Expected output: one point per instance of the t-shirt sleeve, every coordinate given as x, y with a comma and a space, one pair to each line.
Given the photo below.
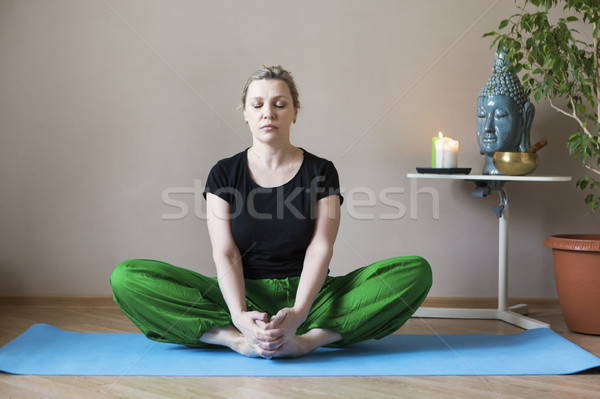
218, 183
328, 182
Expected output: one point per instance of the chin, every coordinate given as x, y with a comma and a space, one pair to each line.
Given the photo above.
488, 148
269, 138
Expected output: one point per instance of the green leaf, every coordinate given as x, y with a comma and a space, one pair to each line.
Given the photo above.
590, 200
583, 182
574, 143
494, 42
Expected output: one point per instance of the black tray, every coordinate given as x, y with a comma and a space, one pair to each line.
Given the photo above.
445, 171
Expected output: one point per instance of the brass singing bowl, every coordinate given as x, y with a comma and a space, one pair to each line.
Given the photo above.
516, 163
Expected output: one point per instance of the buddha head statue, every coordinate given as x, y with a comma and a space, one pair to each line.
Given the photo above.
504, 114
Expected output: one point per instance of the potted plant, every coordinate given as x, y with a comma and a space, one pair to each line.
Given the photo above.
560, 64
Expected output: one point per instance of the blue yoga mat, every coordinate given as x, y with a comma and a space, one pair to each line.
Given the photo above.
46, 350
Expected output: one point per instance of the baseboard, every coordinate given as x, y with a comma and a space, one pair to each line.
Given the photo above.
486, 303
53, 300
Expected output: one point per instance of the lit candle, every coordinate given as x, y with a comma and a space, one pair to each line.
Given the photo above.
433, 140
446, 153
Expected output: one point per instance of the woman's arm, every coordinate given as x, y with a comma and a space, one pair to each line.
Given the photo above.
318, 254
226, 254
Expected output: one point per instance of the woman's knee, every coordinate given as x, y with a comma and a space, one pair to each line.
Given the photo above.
412, 271
423, 271
118, 277
126, 274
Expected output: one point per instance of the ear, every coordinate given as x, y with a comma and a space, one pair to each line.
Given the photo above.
527, 120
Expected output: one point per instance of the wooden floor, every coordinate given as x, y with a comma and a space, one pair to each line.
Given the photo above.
99, 314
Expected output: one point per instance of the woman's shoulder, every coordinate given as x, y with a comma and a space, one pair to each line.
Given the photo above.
228, 168
231, 163
313, 161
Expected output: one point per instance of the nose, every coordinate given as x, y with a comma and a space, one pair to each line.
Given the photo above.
268, 111
489, 124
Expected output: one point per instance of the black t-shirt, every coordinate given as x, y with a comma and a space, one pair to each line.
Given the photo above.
272, 227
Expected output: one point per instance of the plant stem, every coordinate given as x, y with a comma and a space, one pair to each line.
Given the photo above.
573, 114
597, 75
592, 169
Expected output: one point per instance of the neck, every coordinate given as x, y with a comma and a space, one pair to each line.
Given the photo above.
272, 156
489, 168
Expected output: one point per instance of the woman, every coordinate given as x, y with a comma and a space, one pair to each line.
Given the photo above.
273, 213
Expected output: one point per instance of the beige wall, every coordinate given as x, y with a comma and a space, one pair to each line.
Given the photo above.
106, 105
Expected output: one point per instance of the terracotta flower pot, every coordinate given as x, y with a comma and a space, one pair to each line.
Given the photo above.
577, 276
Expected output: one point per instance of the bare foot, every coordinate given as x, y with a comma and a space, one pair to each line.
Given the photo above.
302, 345
299, 345
232, 338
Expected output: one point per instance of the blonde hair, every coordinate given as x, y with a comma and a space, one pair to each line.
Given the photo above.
273, 72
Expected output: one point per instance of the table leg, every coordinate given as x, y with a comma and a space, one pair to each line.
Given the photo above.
503, 251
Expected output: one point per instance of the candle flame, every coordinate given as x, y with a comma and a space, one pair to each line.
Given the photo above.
440, 134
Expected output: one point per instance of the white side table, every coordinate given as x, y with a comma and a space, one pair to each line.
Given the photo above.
484, 185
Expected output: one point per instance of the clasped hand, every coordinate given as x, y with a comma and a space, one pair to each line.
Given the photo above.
269, 337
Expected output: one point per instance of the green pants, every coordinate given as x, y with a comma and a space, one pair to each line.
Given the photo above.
171, 304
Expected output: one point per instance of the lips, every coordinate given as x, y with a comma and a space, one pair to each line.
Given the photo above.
489, 138
269, 127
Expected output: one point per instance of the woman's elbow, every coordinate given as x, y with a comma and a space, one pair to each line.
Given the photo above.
321, 250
